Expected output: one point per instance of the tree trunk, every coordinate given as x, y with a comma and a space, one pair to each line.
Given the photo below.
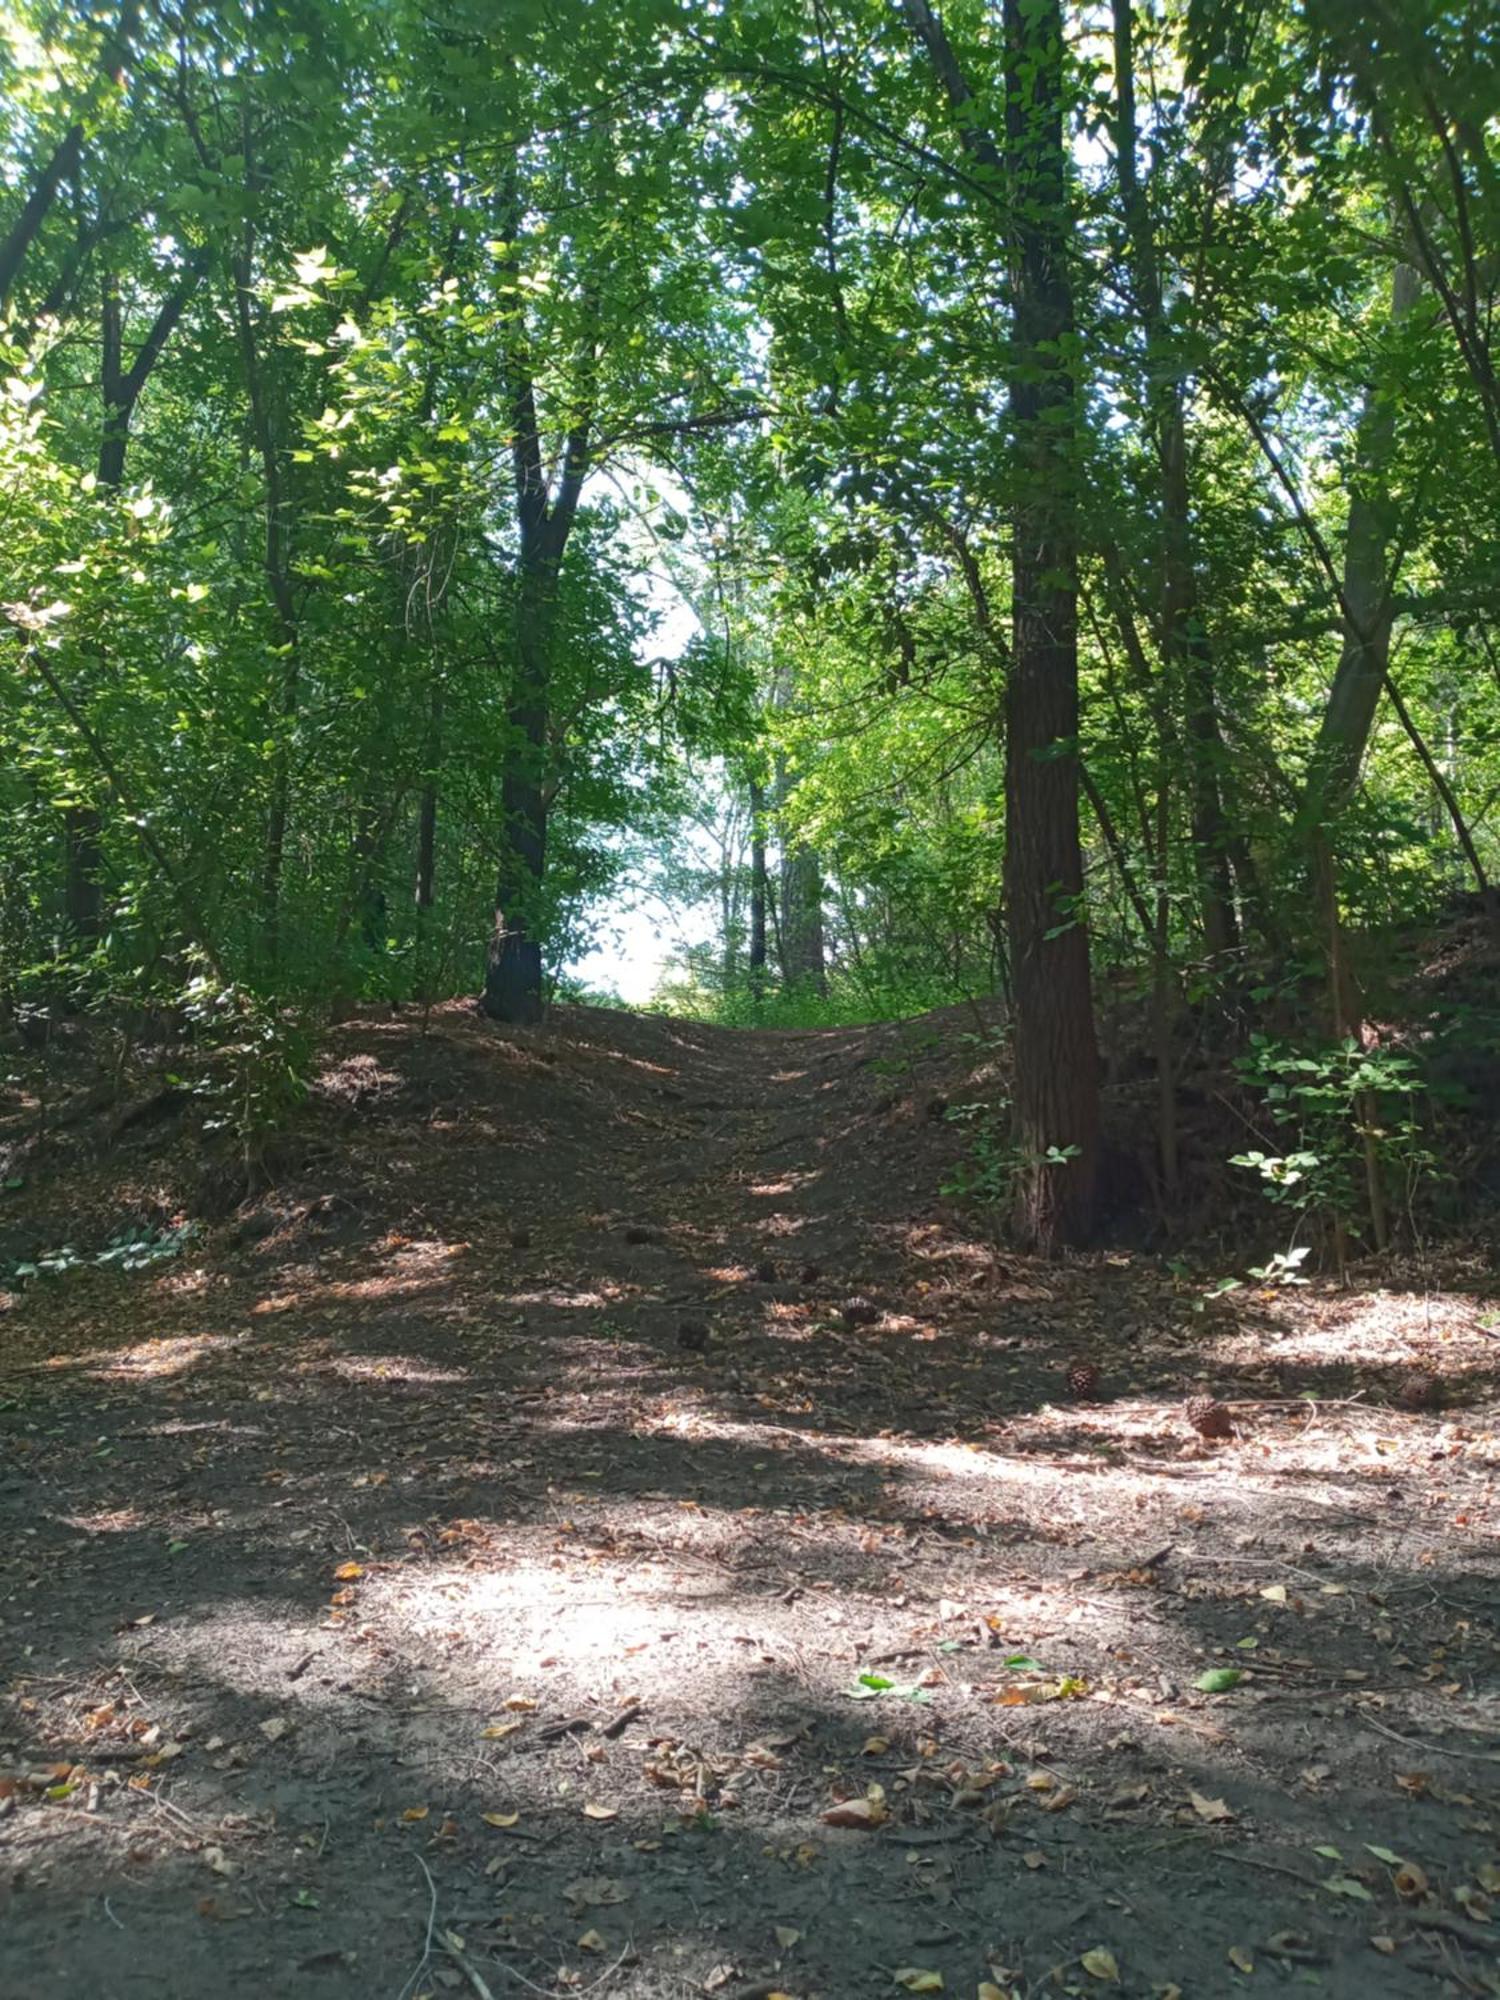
1184, 641
802, 943
757, 888
1056, 1054
513, 971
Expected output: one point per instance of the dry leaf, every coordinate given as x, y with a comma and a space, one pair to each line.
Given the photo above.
1410, 1881
915, 1980
498, 1731
274, 1728
416, 1812
591, 1941
1274, 1593
875, 1746
348, 1572
1385, 1945
1034, 1858
1100, 1964
520, 1702
786, 1937
1240, 1959
1210, 1809
592, 1811
864, 1814
500, 1819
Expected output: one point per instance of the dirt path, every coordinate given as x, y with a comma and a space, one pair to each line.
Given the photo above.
393, 1604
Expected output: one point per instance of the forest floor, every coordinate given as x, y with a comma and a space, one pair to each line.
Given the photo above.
393, 1606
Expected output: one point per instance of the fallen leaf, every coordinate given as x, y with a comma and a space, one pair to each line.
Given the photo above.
1345, 1885
1274, 1593
592, 1811
875, 1746
520, 1702
1210, 1809
1240, 1959
915, 1980
864, 1814
1100, 1964
1410, 1881
348, 1572
1383, 1854
498, 1731
786, 1937
1218, 1680
500, 1819
591, 1941
416, 1812
1385, 1945
274, 1728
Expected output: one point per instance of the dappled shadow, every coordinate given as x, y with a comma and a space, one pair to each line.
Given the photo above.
312, 1563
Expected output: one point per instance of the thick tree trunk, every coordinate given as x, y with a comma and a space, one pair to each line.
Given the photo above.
513, 970
1056, 1092
1056, 1054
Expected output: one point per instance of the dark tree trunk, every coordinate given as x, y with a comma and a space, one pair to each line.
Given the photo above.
1056, 1054
82, 890
757, 887
1184, 640
802, 945
513, 972
1056, 1100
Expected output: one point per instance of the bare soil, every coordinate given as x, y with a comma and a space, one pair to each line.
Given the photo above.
393, 1600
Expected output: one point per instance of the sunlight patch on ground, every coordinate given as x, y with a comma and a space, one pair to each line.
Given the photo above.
111, 1521
164, 1356
386, 1368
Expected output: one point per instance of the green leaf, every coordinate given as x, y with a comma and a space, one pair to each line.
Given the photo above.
1219, 1680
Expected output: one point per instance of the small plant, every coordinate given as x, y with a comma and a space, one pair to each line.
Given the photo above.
1349, 1113
133, 1250
995, 1163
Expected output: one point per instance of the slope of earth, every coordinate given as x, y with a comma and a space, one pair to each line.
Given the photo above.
495, 1563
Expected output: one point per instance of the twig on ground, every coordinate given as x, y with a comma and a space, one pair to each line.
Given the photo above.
426, 1958
1430, 1749
1473, 1935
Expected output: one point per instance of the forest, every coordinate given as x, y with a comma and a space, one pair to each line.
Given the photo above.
951, 553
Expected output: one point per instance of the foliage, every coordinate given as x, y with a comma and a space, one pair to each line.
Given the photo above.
447, 470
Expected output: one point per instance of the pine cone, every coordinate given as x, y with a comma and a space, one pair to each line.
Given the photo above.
1082, 1379
693, 1335
1208, 1417
1420, 1392
859, 1312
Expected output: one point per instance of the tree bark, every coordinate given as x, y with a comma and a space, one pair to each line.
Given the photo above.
1056, 1055
757, 888
1186, 652
513, 973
